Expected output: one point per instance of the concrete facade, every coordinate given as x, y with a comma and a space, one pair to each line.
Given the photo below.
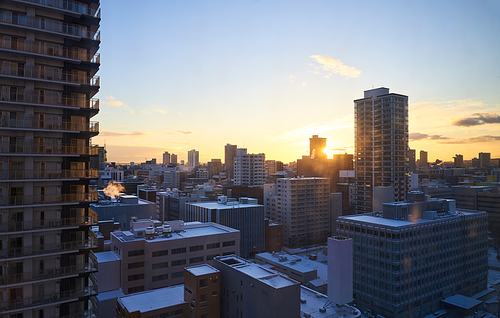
249, 168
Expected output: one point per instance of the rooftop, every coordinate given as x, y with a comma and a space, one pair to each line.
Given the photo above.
220, 206
203, 269
317, 305
109, 256
154, 299
379, 220
462, 301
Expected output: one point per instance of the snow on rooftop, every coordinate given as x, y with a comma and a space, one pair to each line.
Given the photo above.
203, 269
154, 299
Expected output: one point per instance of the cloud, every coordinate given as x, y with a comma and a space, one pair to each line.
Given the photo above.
292, 78
333, 66
304, 84
161, 111
418, 136
107, 133
447, 140
115, 103
131, 112
477, 119
110, 97
180, 132
179, 113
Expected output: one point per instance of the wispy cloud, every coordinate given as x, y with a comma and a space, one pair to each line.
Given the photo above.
180, 132
107, 133
115, 103
112, 101
110, 97
161, 111
179, 113
292, 78
447, 140
476, 119
304, 84
334, 66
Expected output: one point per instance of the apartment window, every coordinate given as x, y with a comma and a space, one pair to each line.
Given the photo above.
160, 265
135, 253
135, 265
203, 297
229, 253
213, 245
228, 243
196, 259
135, 277
196, 248
178, 262
160, 253
160, 277
203, 282
178, 250
214, 293
177, 274
209, 257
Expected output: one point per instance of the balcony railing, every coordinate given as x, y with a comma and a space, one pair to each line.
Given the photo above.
48, 199
31, 123
48, 174
49, 25
47, 224
26, 302
92, 10
29, 148
50, 74
31, 97
11, 252
42, 48
48, 273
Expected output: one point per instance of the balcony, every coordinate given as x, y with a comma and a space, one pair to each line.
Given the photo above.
39, 72
48, 174
41, 149
68, 5
32, 98
49, 273
30, 123
43, 49
25, 302
49, 25
48, 224
11, 252
48, 199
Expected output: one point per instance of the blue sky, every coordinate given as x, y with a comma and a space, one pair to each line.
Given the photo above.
266, 75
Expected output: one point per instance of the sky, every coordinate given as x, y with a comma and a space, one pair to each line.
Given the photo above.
267, 75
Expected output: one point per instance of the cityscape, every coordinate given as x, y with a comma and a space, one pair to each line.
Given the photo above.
249, 159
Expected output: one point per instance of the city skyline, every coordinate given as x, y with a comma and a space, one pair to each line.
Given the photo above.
268, 76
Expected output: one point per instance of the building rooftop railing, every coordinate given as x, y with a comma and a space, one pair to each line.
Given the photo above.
7, 227
69, 5
37, 174
37, 123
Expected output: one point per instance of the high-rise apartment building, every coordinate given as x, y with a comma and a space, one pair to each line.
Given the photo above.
317, 147
412, 159
166, 158
414, 254
249, 168
484, 159
458, 161
193, 158
229, 155
423, 159
381, 138
302, 205
48, 66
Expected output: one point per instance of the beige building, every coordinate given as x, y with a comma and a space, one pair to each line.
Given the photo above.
302, 205
154, 256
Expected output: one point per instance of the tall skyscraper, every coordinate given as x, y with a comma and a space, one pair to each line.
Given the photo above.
173, 159
317, 147
458, 161
193, 158
423, 160
229, 155
381, 139
484, 159
412, 159
47, 83
249, 168
166, 158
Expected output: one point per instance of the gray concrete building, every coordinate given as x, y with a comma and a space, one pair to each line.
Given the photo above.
414, 254
244, 215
